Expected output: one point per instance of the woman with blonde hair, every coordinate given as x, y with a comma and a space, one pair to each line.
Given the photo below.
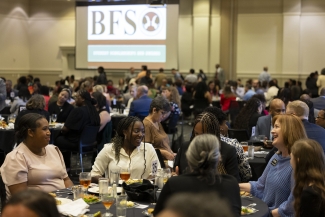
308, 163
274, 186
172, 95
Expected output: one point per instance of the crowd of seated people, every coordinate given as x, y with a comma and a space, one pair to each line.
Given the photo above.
209, 161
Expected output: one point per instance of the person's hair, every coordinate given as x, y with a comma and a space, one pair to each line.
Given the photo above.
178, 83
160, 103
118, 140
203, 157
218, 113
161, 70
322, 92
300, 108
245, 114
22, 80
210, 124
189, 88
272, 83
261, 97
309, 168
144, 67
37, 80
37, 101
44, 90
227, 91
323, 71
90, 102
100, 98
24, 93
200, 90
27, 121
248, 85
190, 205
192, 71
292, 129
38, 84
41, 203
31, 77
174, 95
100, 69
214, 90
310, 104
68, 91
98, 88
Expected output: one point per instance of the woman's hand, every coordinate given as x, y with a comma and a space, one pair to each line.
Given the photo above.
67, 182
275, 213
167, 155
245, 187
18, 187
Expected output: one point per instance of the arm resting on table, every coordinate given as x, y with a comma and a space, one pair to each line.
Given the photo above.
67, 182
18, 187
245, 187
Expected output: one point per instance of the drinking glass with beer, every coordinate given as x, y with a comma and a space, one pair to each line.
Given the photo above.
108, 200
85, 180
244, 145
125, 174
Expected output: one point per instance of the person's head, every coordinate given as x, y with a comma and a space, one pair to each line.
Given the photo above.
308, 163
37, 80
33, 127
132, 70
252, 106
190, 205
320, 119
130, 130
44, 90
64, 95
277, 107
161, 70
158, 108
217, 66
110, 83
203, 156
173, 71
287, 129
189, 88
265, 68
100, 69
144, 67
272, 83
31, 203
221, 117
8, 85
227, 90
211, 85
200, 89
256, 83
142, 91
30, 78
205, 123
37, 101
171, 93
36, 87
248, 87
83, 98
261, 97
100, 99
133, 91
98, 88
192, 71
323, 71
298, 108
305, 97
322, 92
24, 93
22, 80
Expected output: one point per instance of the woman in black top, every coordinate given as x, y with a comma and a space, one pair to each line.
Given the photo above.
202, 98
85, 114
308, 163
248, 115
61, 107
203, 157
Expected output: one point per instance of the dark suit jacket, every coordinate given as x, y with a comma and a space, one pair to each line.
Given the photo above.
315, 132
228, 154
226, 187
263, 126
140, 107
319, 102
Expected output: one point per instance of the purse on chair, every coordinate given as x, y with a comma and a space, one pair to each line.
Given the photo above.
144, 191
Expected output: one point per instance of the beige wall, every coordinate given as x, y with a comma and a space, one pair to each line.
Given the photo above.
38, 37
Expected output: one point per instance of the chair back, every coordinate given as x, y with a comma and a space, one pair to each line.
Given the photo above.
241, 135
160, 158
141, 117
3, 194
172, 123
88, 139
106, 136
216, 104
21, 108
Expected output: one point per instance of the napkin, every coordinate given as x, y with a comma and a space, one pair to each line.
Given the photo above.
75, 208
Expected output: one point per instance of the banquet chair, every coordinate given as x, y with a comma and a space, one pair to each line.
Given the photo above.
241, 135
88, 142
2, 193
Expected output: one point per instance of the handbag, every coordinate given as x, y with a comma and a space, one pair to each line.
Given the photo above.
144, 191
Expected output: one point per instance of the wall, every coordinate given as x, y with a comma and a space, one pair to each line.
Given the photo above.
241, 35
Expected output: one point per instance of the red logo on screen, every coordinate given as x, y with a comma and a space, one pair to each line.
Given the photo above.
151, 21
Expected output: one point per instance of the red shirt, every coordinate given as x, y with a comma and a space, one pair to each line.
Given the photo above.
225, 102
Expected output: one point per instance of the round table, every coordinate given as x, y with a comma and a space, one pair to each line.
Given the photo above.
263, 210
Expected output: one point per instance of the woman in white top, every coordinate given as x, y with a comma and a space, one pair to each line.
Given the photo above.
34, 163
127, 151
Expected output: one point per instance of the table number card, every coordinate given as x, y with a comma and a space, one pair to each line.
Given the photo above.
154, 167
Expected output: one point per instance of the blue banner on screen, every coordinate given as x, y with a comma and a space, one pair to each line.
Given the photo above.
126, 53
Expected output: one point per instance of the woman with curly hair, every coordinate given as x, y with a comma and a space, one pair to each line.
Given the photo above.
248, 115
308, 163
126, 151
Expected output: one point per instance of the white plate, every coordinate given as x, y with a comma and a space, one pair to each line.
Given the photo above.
63, 200
95, 190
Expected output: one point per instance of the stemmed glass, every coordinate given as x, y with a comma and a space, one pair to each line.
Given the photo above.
108, 200
54, 117
125, 174
85, 179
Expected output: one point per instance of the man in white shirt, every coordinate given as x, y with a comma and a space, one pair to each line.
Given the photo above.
264, 76
220, 75
191, 78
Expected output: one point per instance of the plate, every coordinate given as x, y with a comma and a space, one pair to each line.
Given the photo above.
95, 190
145, 213
245, 194
63, 200
247, 210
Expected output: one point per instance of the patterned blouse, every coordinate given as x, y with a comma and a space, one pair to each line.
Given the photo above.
245, 171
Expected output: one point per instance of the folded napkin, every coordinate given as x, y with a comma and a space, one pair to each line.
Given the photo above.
75, 208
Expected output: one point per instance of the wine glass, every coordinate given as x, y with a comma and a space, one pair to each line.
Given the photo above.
108, 200
54, 117
85, 179
125, 174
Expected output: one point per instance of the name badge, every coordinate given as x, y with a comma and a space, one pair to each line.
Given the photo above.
274, 162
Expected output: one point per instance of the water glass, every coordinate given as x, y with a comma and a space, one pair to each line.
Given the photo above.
121, 205
251, 151
114, 176
77, 192
54, 117
103, 185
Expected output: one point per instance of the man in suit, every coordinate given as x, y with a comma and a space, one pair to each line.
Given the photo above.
264, 123
319, 102
140, 107
301, 110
